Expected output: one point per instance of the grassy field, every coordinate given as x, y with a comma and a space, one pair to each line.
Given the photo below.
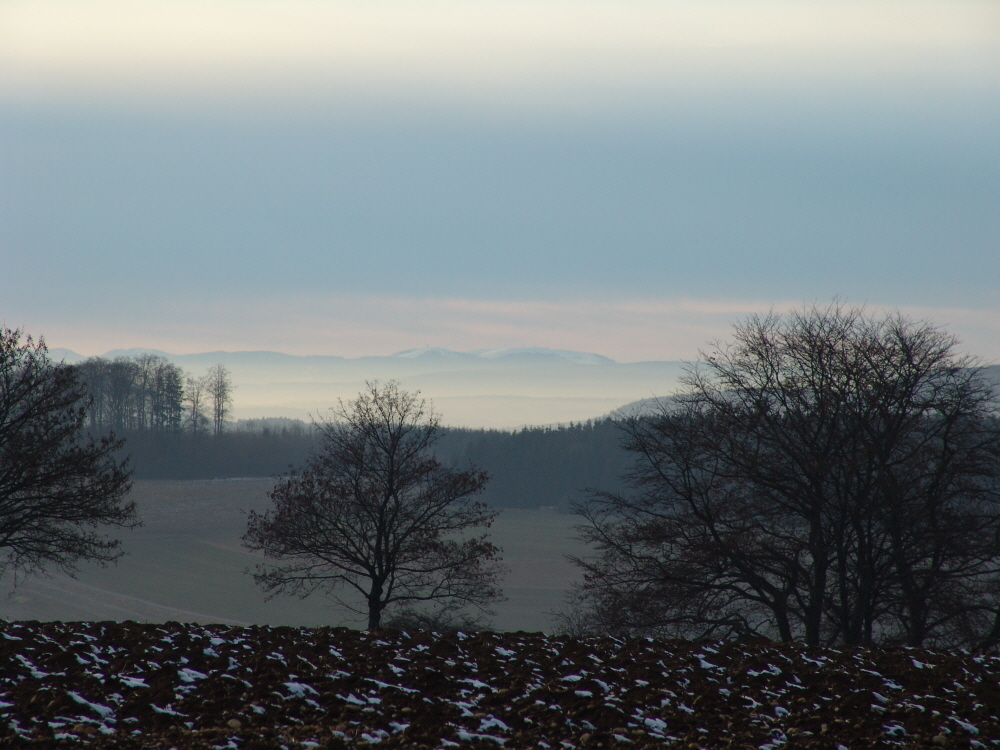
187, 564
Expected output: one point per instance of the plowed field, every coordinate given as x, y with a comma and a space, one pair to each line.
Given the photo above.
128, 685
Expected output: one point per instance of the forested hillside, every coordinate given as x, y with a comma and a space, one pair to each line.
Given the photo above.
528, 468
177, 427
541, 466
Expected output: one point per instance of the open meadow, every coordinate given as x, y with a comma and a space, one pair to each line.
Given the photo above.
187, 564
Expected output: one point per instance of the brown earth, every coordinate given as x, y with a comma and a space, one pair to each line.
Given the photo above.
129, 685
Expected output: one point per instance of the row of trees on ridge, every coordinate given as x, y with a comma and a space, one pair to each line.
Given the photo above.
147, 393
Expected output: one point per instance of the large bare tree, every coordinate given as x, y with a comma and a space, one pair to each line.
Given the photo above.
59, 489
830, 475
374, 513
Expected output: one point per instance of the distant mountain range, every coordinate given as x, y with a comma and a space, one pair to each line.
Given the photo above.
524, 354
430, 355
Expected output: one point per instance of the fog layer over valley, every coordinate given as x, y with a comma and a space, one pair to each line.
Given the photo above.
500, 388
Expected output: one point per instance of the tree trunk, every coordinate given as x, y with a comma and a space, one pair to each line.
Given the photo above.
375, 607
993, 637
817, 581
784, 626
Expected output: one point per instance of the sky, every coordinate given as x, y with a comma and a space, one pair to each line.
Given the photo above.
627, 178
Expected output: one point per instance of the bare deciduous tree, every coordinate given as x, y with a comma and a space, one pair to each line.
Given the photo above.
374, 512
829, 476
219, 386
57, 488
195, 396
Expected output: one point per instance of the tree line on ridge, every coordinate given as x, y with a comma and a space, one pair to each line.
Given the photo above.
148, 394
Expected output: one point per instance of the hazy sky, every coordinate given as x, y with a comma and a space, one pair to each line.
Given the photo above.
617, 177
